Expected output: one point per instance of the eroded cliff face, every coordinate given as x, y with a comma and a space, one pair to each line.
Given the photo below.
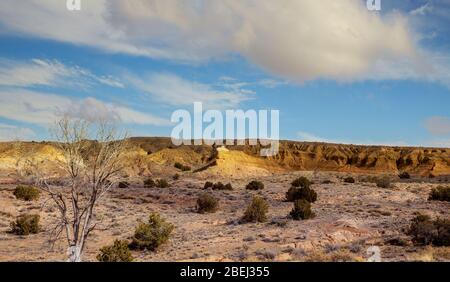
352, 158
146, 155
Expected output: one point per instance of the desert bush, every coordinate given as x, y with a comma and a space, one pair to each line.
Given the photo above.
117, 252
384, 182
182, 167
349, 179
162, 183
255, 185
176, 176
304, 193
26, 193
26, 224
301, 210
152, 234
149, 183
256, 211
440, 193
124, 184
425, 231
206, 203
220, 186
208, 184
404, 175
301, 182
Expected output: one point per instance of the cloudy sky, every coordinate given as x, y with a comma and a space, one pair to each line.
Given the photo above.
336, 71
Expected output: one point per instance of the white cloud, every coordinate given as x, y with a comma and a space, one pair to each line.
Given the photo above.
43, 109
310, 137
422, 10
11, 132
37, 72
174, 90
438, 125
296, 40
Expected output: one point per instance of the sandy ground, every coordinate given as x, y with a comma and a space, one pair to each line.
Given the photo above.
350, 218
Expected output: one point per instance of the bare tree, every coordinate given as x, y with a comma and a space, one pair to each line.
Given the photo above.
91, 163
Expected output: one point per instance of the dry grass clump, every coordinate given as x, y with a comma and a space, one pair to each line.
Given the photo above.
26, 224
117, 252
206, 203
27, 193
256, 211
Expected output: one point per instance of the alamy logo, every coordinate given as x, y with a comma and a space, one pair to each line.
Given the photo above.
235, 128
73, 5
373, 5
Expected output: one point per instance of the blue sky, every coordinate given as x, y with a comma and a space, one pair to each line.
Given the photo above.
336, 72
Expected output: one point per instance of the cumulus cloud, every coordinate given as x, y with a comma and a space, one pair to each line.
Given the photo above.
12, 132
296, 40
173, 90
37, 72
438, 125
43, 109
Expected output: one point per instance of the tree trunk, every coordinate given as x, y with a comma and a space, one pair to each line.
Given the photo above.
74, 252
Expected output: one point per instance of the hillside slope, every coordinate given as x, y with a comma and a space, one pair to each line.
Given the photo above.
146, 155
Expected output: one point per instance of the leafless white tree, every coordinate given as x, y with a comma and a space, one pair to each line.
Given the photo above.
91, 162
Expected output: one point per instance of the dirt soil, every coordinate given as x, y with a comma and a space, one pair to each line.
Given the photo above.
350, 218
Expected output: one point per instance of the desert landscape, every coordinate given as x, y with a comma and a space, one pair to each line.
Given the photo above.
367, 196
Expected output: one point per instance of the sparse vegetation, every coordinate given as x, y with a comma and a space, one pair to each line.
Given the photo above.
176, 176
349, 179
256, 211
404, 175
440, 193
220, 186
26, 224
152, 234
149, 183
255, 185
384, 182
117, 252
301, 182
301, 210
26, 193
162, 183
208, 184
182, 167
426, 231
206, 203
304, 193
124, 184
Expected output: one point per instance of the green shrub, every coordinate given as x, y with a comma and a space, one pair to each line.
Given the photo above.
124, 184
26, 193
149, 183
220, 186
152, 234
206, 203
349, 179
117, 252
301, 182
301, 210
26, 224
162, 183
440, 193
404, 175
255, 185
256, 211
426, 231
304, 193
176, 176
182, 167
208, 185
384, 182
